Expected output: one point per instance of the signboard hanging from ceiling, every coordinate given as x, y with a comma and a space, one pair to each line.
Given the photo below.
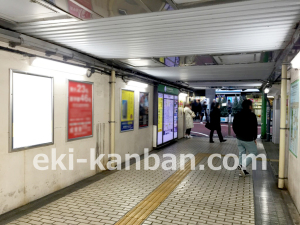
80, 110
79, 12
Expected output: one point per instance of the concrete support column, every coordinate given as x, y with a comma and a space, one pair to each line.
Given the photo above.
276, 120
282, 127
112, 113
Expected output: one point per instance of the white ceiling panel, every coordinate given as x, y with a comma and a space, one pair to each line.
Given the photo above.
256, 71
245, 26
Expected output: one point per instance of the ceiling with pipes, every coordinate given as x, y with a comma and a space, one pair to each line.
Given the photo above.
198, 43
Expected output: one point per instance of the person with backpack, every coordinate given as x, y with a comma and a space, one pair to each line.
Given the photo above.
245, 127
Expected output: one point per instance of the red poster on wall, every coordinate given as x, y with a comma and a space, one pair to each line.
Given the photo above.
80, 110
79, 12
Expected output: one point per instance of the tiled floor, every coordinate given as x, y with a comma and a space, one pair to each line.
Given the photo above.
202, 197
270, 208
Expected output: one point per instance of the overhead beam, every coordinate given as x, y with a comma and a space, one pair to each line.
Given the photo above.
172, 4
142, 4
226, 81
206, 3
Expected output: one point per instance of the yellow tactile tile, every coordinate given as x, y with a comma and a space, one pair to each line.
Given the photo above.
141, 211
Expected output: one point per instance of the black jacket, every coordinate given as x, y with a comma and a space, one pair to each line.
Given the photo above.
215, 119
245, 125
212, 106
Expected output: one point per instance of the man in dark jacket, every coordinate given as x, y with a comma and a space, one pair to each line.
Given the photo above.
213, 105
215, 123
199, 109
245, 127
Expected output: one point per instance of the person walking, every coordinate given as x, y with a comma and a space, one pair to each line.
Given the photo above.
204, 109
245, 127
199, 110
229, 106
194, 107
215, 123
213, 104
189, 124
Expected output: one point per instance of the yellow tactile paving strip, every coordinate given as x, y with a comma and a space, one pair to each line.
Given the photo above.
141, 211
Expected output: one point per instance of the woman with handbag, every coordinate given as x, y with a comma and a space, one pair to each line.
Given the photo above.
189, 124
215, 123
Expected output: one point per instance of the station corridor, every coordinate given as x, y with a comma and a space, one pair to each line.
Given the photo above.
167, 197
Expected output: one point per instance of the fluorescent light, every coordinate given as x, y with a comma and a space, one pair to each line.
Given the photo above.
270, 96
296, 61
53, 65
267, 90
251, 90
134, 59
182, 95
137, 84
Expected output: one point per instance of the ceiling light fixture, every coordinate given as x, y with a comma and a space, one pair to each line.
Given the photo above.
59, 66
296, 61
134, 59
137, 84
267, 90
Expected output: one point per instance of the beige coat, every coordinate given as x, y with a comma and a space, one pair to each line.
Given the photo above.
188, 118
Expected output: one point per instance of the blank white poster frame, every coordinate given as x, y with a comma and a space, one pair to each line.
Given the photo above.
33, 126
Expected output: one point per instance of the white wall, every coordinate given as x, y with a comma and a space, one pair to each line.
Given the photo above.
135, 141
293, 163
20, 182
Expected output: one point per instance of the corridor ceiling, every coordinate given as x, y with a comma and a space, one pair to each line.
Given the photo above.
238, 41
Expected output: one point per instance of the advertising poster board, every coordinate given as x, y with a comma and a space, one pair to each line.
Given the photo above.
294, 115
168, 118
175, 116
80, 110
160, 118
167, 121
144, 110
31, 111
127, 110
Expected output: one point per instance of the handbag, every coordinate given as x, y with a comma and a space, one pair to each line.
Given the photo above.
193, 115
208, 125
